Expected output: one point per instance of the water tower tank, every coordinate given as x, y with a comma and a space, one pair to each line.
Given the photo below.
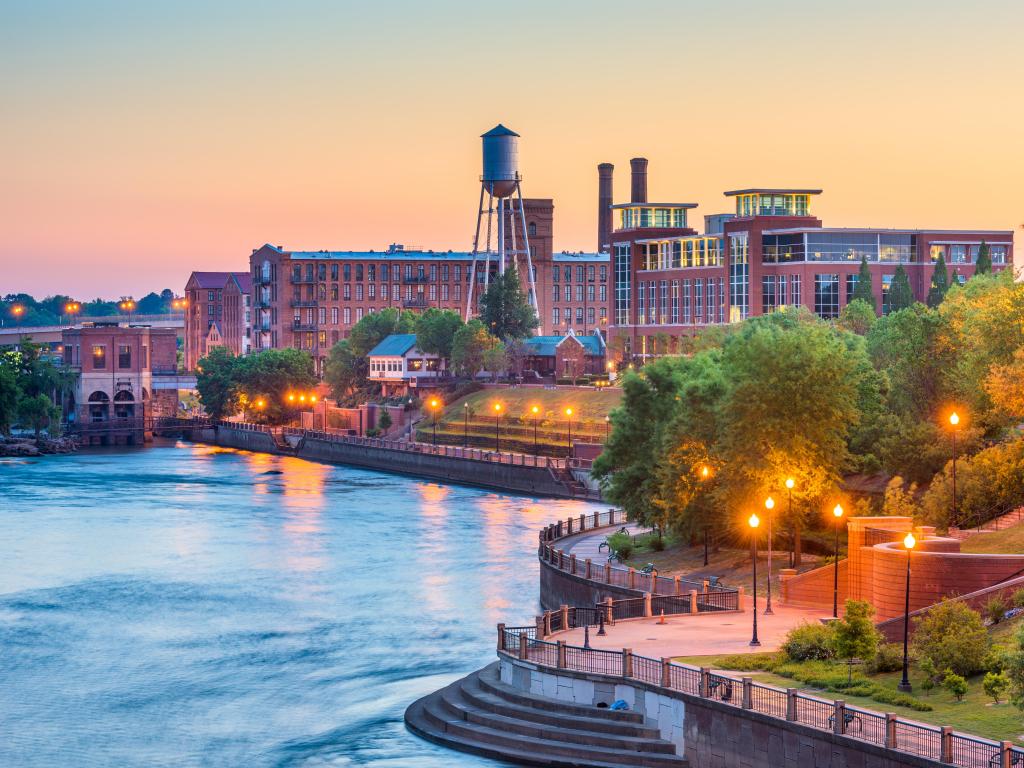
501, 161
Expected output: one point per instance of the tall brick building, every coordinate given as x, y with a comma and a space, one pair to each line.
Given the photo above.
217, 312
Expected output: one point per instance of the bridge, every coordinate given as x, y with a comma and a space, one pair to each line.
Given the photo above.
52, 334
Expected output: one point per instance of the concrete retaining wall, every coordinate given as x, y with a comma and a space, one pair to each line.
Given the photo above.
245, 440
558, 588
709, 733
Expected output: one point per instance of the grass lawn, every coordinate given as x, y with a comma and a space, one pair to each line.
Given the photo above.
1009, 541
589, 406
976, 714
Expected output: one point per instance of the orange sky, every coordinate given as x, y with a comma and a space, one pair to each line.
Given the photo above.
140, 143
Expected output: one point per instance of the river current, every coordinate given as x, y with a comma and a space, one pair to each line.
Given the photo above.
184, 605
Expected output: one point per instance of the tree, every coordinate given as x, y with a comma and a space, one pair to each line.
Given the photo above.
217, 383
495, 359
435, 332
952, 636
344, 372
373, 328
468, 346
900, 294
855, 634
1002, 385
384, 420
858, 316
995, 685
863, 290
272, 374
955, 684
983, 264
899, 501
150, 304
37, 412
940, 283
504, 309
10, 394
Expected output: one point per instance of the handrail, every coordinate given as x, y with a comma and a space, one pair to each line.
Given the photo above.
884, 730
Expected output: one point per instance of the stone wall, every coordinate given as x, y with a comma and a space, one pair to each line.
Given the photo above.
709, 733
245, 440
558, 588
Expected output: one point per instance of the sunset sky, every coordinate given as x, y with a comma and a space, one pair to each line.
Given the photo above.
142, 140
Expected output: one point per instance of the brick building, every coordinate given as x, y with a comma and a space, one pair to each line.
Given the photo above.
126, 375
217, 312
669, 280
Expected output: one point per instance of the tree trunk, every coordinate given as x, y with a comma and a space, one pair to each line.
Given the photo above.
797, 553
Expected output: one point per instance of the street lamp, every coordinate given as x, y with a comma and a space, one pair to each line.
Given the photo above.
607, 427
127, 306
72, 308
908, 543
705, 475
465, 425
17, 310
568, 414
838, 512
754, 521
434, 405
535, 410
789, 513
769, 504
954, 422
497, 438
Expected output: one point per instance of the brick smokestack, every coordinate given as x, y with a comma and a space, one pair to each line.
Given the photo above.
604, 206
638, 194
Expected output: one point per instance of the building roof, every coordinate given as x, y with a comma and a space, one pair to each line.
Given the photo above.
545, 346
381, 255
498, 130
885, 231
243, 280
771, 191
652, 205
395, 345
210, 280
573, 257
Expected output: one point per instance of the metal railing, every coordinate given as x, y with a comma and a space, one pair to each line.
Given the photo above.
884, 730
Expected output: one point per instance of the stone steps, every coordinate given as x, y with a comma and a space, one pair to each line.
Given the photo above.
482, 715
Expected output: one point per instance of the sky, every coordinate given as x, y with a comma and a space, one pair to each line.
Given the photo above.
141, 141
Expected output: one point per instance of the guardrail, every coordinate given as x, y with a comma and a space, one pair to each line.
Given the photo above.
885, 730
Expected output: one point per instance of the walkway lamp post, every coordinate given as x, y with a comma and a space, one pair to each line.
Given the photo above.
607, 427
908, 543
434, 405
705, 475
71, 309
954, 422
465, 425
769, 505
535, 410
838, 512
789, 510
497, 438
127, 306
754, 521
568, 414
17, 311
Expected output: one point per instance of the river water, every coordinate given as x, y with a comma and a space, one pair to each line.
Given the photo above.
183, 605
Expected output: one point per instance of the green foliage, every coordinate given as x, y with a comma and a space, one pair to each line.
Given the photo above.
621, 544
436, 329
888, 658
898, 500
983, 264
223, 379
384, 421
955, 684
505, 310
37, 412
900, 294
858, 316
469, 344
495, 359
1018, 598
217, 383
373, 328
940, 283
952, 636
344, 371
995, 609
889, 696
863, 290
995, 685
10, 393
854, 635
810, 642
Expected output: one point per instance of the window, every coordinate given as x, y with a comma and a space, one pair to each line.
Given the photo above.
321, 338
371, 290
321, 271
652, 309
590, 272
334, 315
769, 298
851, 286
739, 274
698, 301
674, 316
433, 292
359, 314
458, 291
590, 292
334, 292
531, 229
590, 315
568, 274
359, 291
782, 290
998, 254
579, 292
359, 273
433, 272
686, 302
579, 274
348, 315
124, 356
568, 293
322, 292
886, 286
322, 315
554, 315
826, 295
603, 272
99, 356
347, 292
555, 274
712, 300
347, 272
604, 314
384, 273
958, 254
794, 291
623, 283
641, 301
371, 272
567, 315
579, 314
458, 273
444, 292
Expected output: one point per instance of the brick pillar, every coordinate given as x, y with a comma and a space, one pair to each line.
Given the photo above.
707, 585
522, 646
501, 637
539, 621
946, 744
632, 579
694, 607
839, 717
572, 564
607, 572
739, 598
547, 623
586, 568
666, 673
596, 520
609, 616
583, 523
678, 585
561, 654
1006, 753
647, 604
569, 525
561, 560
890, 730
564, 609
627, 662
791, 704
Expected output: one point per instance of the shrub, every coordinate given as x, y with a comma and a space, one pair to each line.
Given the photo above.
995, 685
656, 542
952, 636
622, 543
1018, 598
810, 642
995, 609
384, 422
855, 636
888, 658
997, 660
752, 662
889, 696
955, 684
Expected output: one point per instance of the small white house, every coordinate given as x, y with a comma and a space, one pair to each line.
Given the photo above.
397, 364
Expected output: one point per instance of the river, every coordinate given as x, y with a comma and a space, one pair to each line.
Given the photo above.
184, 605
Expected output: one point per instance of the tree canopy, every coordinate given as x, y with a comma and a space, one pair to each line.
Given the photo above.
227, 383
505, 310
863, 290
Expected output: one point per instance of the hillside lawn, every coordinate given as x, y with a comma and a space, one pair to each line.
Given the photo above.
1009, 541
589, 405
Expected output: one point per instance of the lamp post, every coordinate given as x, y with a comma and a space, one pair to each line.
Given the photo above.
789, 510
127, 306
954, 422
434, 403
465, 425
754, 521
838, 512
705, 474
908, 543
71, 309
497, 438
535, 410
769, 504
568, 414
607, 427
17, 310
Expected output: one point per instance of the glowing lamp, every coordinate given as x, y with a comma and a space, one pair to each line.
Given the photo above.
838, 510
535, 410
568, 411
769, 503
909, 541
790, 483
954, 418
754, 521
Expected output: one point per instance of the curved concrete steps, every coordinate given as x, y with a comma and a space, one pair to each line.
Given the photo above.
482, 715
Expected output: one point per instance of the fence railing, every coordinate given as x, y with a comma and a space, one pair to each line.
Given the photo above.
884, 730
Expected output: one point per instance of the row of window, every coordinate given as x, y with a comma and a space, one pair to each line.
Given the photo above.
371, 290
780, 290
418, 272
640, 217
99, 356
590, 273
677, 254
763, 204
592, 292
566, 314
690, 302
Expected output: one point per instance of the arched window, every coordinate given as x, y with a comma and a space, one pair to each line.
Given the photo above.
99, 404
124, 405
531, 229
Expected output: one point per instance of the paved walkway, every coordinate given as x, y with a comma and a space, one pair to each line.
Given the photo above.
586, 546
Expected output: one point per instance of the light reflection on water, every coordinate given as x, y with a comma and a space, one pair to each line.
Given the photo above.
199, 606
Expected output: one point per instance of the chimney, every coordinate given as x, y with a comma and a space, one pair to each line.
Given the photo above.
604, 206
639, 191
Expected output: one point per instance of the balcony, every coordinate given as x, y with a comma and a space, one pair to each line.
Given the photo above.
418, 303
303, 279
263, 325
415, 280
302, 303
298, 325
261, 278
